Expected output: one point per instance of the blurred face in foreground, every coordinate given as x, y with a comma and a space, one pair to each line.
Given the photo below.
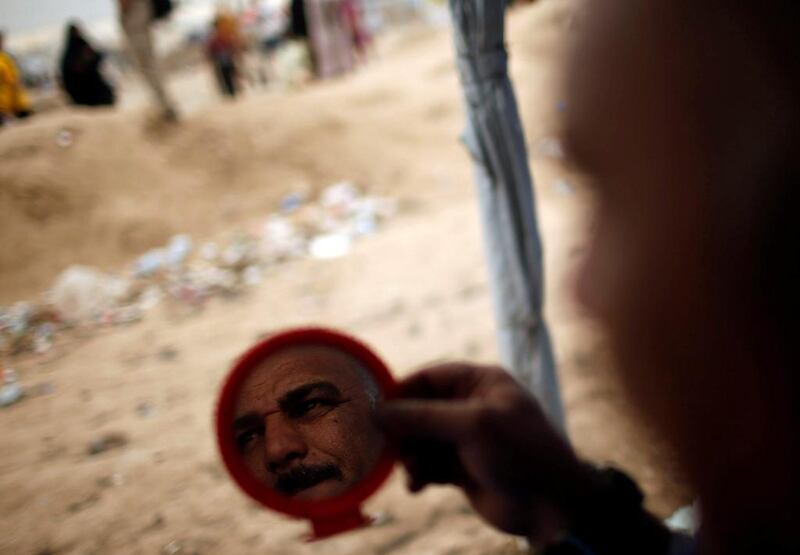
675, 115
303, 422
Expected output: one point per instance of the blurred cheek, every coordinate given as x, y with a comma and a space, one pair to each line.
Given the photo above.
598, 272
254, 461
325, 442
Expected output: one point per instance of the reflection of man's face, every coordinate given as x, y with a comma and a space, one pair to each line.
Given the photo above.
303, 423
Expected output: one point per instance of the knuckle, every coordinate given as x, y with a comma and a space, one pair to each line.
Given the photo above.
489, 418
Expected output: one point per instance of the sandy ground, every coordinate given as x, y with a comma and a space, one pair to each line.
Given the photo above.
417, 291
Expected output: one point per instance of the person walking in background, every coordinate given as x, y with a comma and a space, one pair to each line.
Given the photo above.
354, 24
80, 71
263, 28
224, 50
137, 18
14, 102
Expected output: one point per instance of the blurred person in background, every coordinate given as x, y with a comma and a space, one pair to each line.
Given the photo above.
354, 23
14, 101
224, 50
80, 71
264, 28
137, 18
685, 116
299, 30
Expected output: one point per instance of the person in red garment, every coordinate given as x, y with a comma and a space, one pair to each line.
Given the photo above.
224, 51
685, 117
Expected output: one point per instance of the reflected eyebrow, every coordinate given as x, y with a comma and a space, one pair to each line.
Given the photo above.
297, 395
249, 420
300, 393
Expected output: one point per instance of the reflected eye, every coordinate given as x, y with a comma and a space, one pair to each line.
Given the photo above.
246, 438
312, 408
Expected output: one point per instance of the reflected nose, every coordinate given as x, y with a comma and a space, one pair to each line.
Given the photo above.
283, 443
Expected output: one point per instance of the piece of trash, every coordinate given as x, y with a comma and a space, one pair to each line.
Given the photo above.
339, 195
168, 353
113, 440
172, 548
65, 138
252, 275
10, 390
123, 315
280, 239
292, 202
82, 293
149, 298
178, 249
150, 262
115, 480
78, 506
156, 523
329, 246
365, 222
145, 409
563, 187
209, 251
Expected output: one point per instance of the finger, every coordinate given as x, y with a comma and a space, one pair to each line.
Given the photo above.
451, 421
441, 381
548, 525
431, 463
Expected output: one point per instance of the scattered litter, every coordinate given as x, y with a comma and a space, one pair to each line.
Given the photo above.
322, 228
82, 293
113, 440
564, 187
10, 390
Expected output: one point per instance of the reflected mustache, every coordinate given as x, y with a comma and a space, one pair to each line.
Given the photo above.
303, 477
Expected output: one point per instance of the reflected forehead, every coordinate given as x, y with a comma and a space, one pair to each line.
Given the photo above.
295, 367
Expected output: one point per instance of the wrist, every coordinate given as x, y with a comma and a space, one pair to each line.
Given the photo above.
607, 515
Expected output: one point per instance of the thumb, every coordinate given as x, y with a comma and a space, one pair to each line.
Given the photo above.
449, 421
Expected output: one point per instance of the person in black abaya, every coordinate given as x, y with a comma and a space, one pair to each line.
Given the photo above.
80, 72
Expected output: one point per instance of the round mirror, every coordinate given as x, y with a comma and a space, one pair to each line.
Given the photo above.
296, 430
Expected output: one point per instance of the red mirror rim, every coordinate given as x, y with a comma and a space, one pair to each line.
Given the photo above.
315, 510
